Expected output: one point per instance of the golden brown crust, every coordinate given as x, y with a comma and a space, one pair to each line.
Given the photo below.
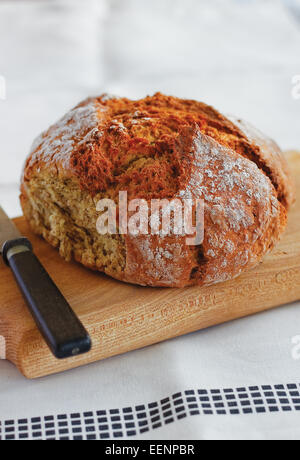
164, 147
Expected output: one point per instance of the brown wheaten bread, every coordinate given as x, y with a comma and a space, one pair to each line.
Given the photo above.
157, 147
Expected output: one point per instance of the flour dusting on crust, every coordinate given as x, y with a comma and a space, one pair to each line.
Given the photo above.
58, 143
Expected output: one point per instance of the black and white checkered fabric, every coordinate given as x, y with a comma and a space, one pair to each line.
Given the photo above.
134, 421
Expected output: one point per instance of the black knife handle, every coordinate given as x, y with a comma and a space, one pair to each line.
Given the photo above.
60, 327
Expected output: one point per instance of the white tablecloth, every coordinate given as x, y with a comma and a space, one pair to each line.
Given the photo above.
243, 360
239, 380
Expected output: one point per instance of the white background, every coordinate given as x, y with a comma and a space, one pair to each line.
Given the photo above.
239, 55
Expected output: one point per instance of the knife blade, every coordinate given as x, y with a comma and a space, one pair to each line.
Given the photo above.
8, 231
61, 328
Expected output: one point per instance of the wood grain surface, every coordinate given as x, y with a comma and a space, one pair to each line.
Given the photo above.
121, 317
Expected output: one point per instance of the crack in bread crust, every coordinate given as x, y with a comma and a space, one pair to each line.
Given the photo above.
66, 217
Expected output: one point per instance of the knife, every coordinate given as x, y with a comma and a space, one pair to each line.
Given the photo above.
58, 324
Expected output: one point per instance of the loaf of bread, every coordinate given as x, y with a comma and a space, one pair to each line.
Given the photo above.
154, 148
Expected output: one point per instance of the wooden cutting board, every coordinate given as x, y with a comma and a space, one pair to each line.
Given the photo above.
121, 317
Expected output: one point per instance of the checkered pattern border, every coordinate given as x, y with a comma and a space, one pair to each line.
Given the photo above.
135, 421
